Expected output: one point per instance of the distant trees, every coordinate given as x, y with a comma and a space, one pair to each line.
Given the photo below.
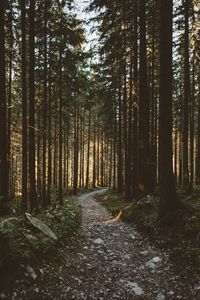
128, 119
45, 148
154, 98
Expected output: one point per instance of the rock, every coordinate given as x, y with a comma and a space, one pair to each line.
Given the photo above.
134, 287
31, 272
10, 223
197, 287
2, 296
127, 256
41, 226
150, 264
156, 259
171, 293
160, 297
98, 241
41, 271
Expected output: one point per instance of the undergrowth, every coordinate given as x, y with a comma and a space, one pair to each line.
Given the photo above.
14, 244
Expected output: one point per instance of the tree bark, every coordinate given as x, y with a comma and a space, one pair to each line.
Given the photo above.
186, 99
4, 164
144, 109
24, 108
168, 197
32, 190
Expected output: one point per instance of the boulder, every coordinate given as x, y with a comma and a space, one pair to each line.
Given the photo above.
41, 226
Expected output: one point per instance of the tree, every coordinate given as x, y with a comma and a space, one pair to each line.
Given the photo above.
186, 98
144, 106
4, 171
32, 178
168, 198
24, 107
44, 190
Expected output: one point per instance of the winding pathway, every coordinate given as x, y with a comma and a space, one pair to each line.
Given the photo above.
108, 259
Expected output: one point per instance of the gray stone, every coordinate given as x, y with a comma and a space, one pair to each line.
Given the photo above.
41, 226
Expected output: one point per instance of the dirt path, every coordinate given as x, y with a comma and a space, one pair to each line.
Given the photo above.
107, 260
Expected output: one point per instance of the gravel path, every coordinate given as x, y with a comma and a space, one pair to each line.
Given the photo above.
108, 259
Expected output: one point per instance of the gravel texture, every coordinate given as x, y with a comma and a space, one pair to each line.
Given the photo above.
106, 260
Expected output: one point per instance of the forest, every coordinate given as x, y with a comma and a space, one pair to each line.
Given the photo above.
100, 109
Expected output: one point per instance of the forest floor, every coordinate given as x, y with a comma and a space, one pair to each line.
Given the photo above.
107, 259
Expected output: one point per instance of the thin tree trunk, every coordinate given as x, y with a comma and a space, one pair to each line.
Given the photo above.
94, 160
144, 108
186, 99
120, 174
76, 131
32, 191
49, 180
60, 181
4, 164
44, 183
135, 103
24, 108
88, 152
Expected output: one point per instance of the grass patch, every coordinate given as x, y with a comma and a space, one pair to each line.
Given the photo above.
181, 238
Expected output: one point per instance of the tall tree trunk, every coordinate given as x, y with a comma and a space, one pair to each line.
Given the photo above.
32, 191
129, 190
88, 151
60, 180
76, 131
153, 104
192, 124
4, 164
135, 102
115, 150
168, 197
10, 90
38, 144
120, 172
80, 149
94, 160
68, 157
198, 138
65, 155
144, 108
44, 183
83, 150
24, 107
186, 99
102, 160
49, 180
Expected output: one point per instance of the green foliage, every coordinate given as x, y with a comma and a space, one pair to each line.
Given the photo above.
63, 220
